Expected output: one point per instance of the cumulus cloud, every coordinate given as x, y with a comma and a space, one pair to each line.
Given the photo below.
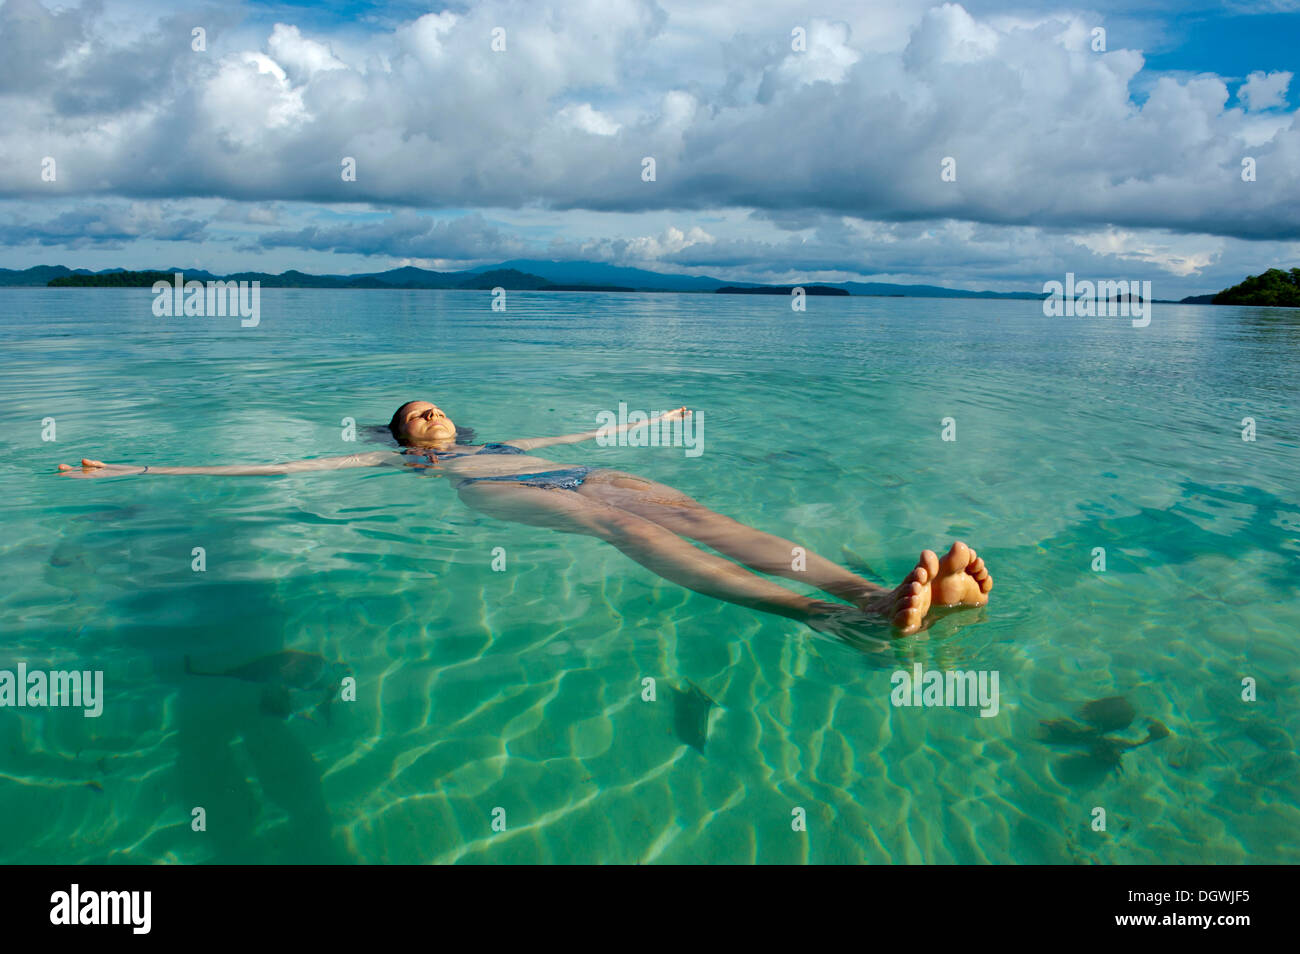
107, 225
299, 55
662, 247
1043, 129
825, 56
1264, 90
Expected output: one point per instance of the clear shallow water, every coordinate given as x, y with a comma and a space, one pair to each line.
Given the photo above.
522, 690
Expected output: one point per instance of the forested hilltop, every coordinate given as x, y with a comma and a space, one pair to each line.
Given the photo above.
1274, 287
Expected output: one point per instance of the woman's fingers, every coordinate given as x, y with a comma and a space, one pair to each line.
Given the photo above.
86, 465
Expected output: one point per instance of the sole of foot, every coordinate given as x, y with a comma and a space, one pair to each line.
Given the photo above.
958, 578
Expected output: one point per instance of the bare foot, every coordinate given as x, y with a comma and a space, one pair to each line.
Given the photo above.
959, 578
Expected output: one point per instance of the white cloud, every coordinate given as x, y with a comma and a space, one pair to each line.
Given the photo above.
1176, 255
826, 59
249, 95
301, 55
671, 241
588, 120
949, 34
1046, 133
426, 35
1264, 90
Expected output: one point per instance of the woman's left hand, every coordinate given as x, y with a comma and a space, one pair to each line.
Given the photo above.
97, 468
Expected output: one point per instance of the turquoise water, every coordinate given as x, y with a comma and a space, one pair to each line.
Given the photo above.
522, 690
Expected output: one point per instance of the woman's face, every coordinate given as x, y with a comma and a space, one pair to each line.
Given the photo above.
423, 423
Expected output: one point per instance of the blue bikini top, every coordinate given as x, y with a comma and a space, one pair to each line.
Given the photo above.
434, 456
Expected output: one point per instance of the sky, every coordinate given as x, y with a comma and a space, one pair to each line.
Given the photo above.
984, 145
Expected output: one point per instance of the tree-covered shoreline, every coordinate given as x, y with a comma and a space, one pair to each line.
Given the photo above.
112, 280
1275, 287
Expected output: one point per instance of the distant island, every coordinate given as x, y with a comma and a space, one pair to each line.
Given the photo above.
781, 290
1275, 287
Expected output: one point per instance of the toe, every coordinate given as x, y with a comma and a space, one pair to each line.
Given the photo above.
956, 559
928, 560
907, 611
907, 619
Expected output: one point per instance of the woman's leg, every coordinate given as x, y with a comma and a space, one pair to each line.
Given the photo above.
765, 552
959, 577
658, 549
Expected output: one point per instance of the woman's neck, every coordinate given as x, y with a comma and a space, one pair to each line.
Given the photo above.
437, 447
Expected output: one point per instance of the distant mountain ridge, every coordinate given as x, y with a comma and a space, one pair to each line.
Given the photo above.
401, 278
601, 273
514, 275
1275, 286
38, 274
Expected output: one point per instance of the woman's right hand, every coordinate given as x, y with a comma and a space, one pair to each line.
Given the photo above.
97, 468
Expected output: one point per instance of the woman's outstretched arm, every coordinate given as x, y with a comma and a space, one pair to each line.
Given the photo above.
96, 468
532, 443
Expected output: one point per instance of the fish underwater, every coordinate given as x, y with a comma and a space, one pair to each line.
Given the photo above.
283, 673
1104, 752
691, 710
1109, 715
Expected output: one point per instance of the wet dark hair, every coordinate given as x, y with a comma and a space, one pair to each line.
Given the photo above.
464, 435
396, 421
